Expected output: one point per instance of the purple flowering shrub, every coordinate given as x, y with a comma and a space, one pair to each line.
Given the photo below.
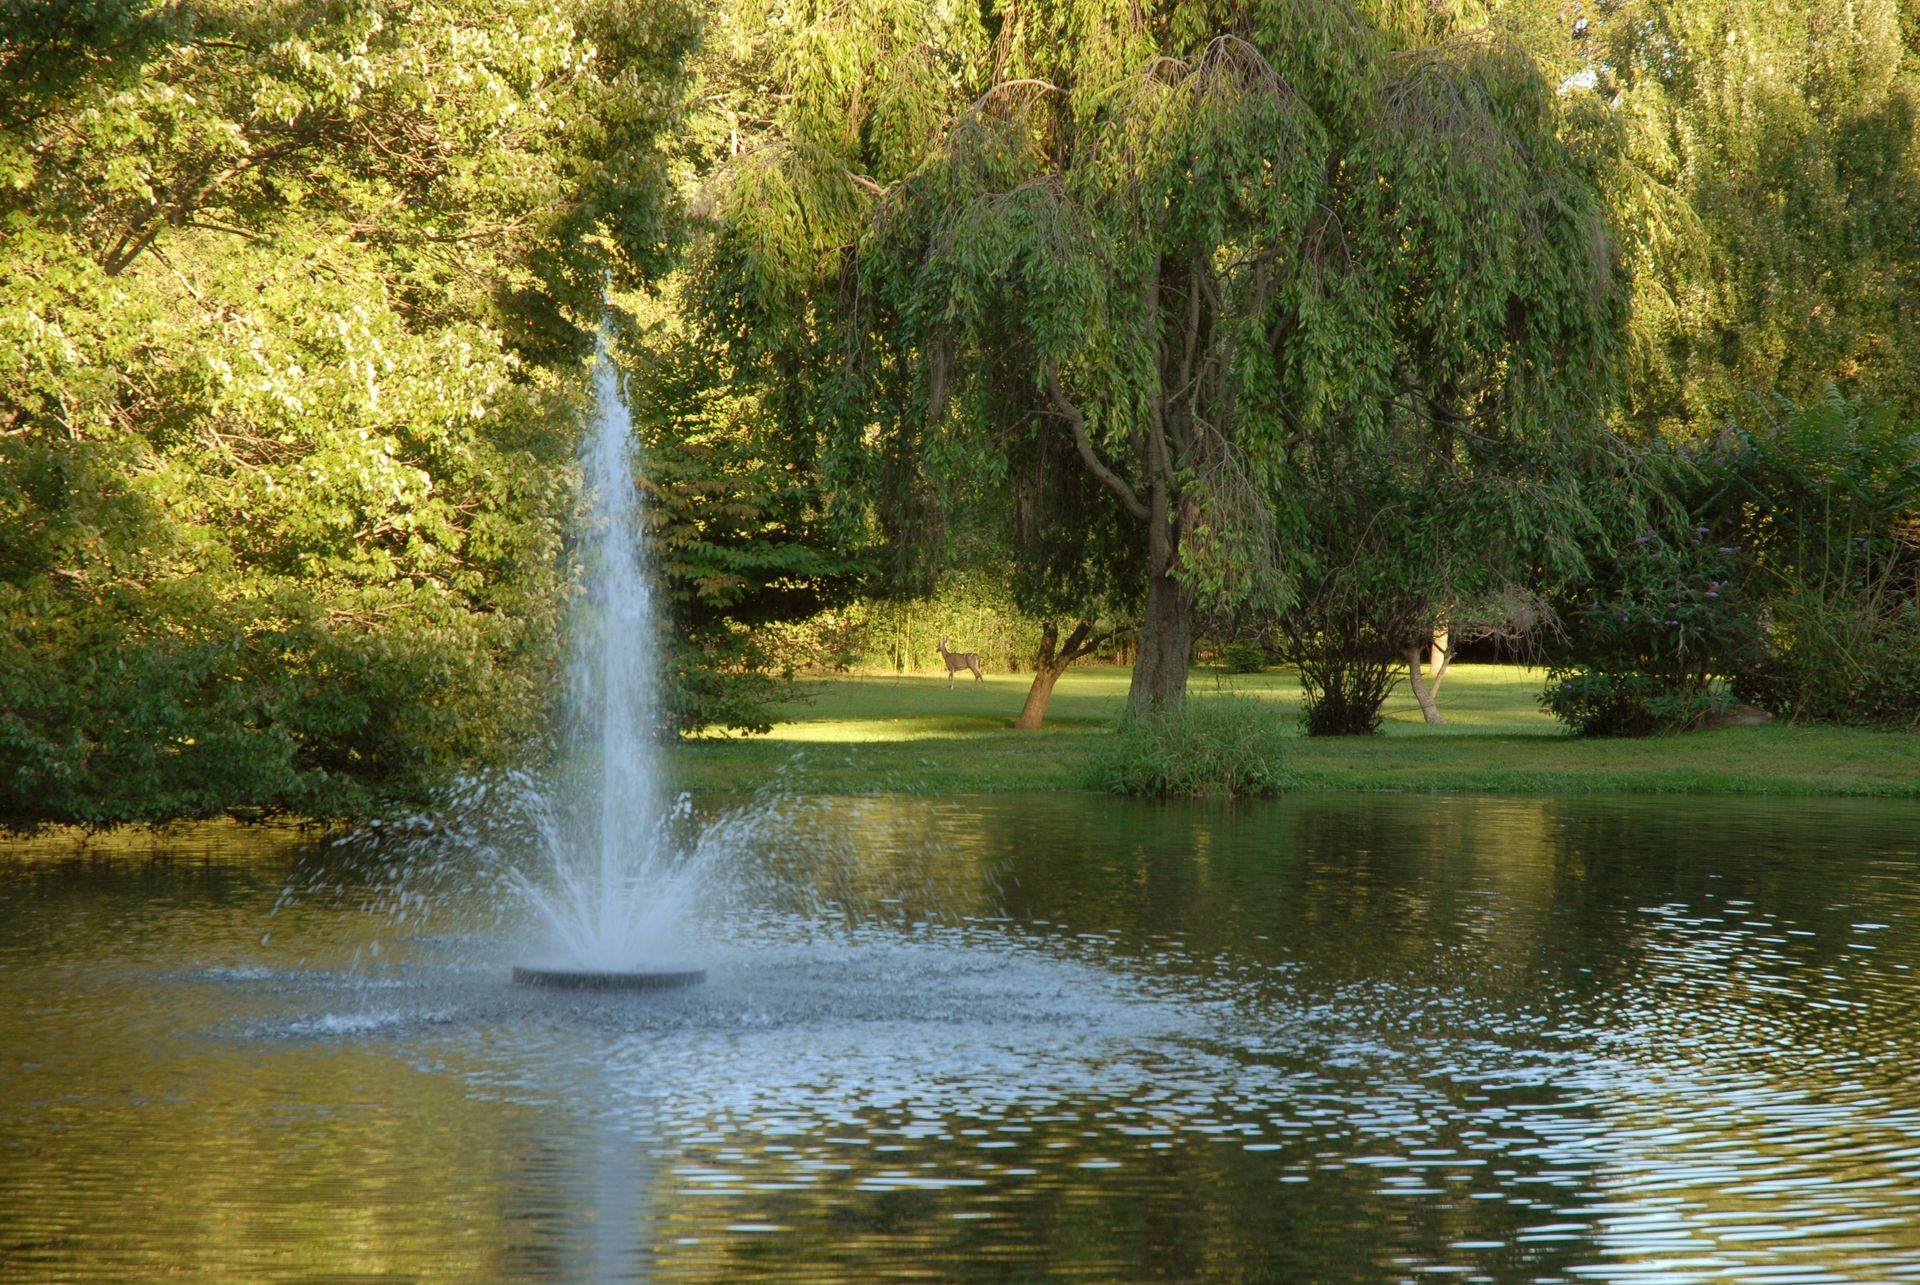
1650, 643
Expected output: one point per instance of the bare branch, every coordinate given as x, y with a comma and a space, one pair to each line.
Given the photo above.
1005, 85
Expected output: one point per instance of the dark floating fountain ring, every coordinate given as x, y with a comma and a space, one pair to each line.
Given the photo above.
650, 979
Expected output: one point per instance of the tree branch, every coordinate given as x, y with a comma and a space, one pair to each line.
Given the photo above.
1025, 82
1078, 422
181, 205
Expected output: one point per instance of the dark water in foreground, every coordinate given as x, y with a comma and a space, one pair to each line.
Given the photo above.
1331, 1038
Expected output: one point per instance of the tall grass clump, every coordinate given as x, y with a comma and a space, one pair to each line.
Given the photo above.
1203, 748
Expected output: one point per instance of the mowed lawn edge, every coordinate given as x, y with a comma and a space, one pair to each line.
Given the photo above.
867, 734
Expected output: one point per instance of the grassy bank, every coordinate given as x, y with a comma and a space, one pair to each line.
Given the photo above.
865, 734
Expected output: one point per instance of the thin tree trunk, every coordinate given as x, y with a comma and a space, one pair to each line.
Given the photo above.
1051, 662
1423, 694
1034, 712
1442, 659
1426, 687
1046, 670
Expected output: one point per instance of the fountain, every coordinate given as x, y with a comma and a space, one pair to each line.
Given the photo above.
618, 891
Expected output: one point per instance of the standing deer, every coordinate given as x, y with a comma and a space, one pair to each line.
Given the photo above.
959, 660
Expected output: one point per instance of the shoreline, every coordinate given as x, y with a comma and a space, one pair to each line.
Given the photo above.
873, 734
856, 735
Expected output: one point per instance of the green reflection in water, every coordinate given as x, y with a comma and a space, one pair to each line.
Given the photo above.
1327, 1037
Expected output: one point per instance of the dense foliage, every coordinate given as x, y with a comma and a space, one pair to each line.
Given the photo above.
809, 111
1322, 322
1650, 647
295, 300
735, 533
1765, 190
1830, 493
1789, 578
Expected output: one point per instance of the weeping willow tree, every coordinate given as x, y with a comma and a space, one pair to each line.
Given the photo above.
1244, 257
813, 110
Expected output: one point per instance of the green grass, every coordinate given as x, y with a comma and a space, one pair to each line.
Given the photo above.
869, 734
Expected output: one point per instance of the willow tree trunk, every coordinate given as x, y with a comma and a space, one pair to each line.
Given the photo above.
1166, 644
1166, 628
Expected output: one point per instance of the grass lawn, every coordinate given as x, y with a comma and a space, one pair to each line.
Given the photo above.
873, 733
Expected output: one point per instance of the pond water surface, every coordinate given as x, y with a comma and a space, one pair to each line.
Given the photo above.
1326, 1038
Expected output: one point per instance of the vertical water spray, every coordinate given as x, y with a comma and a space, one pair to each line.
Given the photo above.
617, 893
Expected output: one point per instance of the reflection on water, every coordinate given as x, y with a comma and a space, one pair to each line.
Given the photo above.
1327, 1038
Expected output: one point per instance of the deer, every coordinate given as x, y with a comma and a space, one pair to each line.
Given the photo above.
959, 660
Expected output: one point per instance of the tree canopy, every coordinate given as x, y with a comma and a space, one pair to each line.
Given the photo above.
295, 303
1763, 187
1226, 251
1348, 317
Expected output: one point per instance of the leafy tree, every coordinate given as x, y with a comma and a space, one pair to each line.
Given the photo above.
812, 110
1027, 515
1764, 192
734, 530
1245, 254
859, 96
295, 302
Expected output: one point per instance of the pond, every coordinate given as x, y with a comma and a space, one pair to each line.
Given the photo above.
1328, 1037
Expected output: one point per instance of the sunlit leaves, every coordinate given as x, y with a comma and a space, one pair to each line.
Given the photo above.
1765, 185
294, 297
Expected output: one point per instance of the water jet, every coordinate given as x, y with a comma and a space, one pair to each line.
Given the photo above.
618, 887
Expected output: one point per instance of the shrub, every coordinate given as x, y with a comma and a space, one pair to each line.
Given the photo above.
1201, 748
1652, 639
1243, 657
1343, 692
1831, 491
1840, 657
1344, 635
1631, 703
702, 691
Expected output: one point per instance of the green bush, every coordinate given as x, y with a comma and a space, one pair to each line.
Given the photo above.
1593, 702
1343, 635
1243, 657
1840, 657
1202, 748
169, 704
1650, 640
1343, 692
1831, 492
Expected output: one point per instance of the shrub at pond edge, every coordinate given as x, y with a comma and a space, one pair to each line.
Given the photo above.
1206, 748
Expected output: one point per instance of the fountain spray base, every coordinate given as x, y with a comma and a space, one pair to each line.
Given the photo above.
650, 979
